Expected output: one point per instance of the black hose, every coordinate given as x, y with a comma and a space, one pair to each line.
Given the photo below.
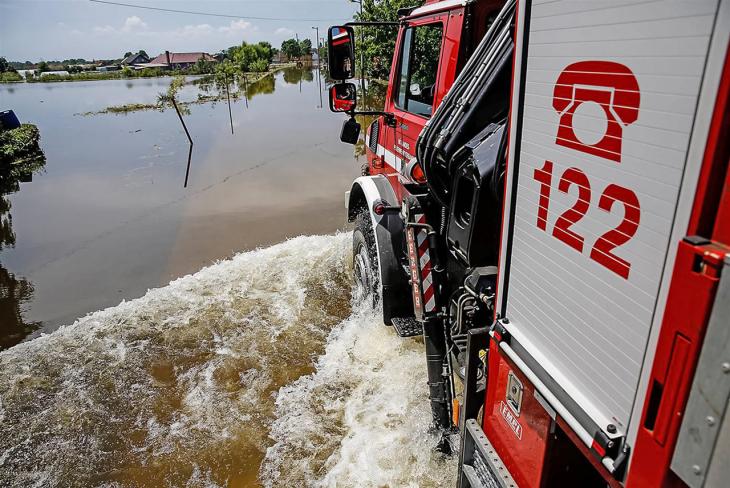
429, 148
438, 390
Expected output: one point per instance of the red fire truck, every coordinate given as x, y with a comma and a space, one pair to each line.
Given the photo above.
547, 201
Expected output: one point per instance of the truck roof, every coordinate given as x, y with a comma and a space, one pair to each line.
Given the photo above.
432, 6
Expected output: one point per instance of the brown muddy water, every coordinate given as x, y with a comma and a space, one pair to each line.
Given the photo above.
256, 370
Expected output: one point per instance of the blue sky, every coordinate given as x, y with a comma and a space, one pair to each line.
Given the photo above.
60, 29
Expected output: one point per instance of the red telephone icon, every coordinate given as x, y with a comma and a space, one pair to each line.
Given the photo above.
611, 85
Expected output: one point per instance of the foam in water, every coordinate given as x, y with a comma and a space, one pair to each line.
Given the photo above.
252, 371
362, 419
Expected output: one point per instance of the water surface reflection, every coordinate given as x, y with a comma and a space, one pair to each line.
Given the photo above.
14, 292
110, 217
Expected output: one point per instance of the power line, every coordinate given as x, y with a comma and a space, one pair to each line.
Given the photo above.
248, 17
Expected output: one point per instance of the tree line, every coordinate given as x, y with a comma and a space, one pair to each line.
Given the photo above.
377, 44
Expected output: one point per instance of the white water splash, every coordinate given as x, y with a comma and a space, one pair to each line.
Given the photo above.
362, 419
252, 371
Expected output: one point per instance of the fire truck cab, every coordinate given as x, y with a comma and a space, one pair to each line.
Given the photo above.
433, 43
547, 202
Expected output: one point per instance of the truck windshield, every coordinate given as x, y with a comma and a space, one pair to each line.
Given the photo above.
418, 66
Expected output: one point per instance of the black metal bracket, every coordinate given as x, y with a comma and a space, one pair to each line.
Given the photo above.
499, 332
477, 340
621, 463
432, 244
389, 117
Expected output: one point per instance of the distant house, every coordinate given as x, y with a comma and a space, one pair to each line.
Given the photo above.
111, 67
133, 59
181, 60
280, 57
60, 73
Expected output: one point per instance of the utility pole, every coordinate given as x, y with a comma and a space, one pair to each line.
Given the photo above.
296, 35
319, 62
316, 44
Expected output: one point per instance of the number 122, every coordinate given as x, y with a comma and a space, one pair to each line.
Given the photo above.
602, 251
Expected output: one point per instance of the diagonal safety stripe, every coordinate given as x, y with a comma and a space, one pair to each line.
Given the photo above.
427, 283
428, 294
426, 269
423, 246
424, 262
430, 305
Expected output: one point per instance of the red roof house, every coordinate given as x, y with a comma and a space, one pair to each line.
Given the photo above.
181, 60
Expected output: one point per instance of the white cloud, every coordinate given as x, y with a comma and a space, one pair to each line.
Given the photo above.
107, 29
192, 31
133, 23
284, 31
236, 27
134, 32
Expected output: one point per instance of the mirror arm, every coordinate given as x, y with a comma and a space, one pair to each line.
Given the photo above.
389, 117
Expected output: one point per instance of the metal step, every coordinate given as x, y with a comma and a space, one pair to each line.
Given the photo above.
407, 326
482, 467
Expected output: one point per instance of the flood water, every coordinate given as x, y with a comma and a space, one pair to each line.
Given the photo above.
109, 218
256, 370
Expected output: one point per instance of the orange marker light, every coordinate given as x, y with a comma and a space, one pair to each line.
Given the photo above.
455, 410
417, 174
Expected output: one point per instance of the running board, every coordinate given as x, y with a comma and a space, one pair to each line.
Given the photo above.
407, 327
482, 468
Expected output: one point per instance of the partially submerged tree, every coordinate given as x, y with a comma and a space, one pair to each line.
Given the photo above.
42, 67
249, 57
306, 46
291, 49
169, 98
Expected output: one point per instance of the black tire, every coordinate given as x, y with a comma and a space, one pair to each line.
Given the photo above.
365, 270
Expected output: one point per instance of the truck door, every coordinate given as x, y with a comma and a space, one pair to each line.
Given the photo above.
421, 75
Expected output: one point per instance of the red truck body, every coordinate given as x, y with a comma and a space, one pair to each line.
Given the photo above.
396, 146
635, 305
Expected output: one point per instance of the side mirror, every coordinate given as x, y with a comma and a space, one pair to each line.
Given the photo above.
341, 52
350, 131
343, 97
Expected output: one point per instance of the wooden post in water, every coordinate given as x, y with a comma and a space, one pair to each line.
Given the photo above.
245, 87
187, 170
230, 116
190, 139
185, 127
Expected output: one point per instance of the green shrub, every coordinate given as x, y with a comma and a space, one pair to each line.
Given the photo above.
260, 65
17, 143
9, 76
